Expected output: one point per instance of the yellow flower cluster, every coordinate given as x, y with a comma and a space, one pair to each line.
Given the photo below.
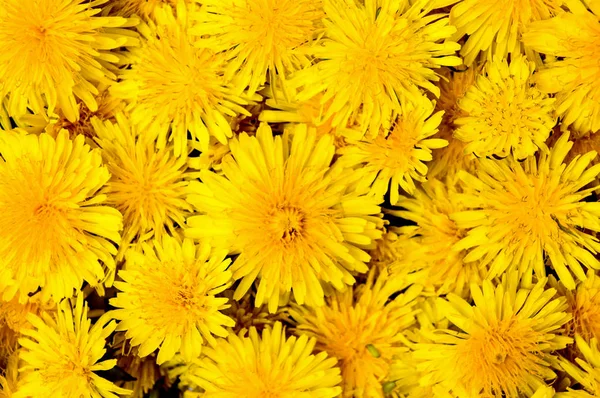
299, 198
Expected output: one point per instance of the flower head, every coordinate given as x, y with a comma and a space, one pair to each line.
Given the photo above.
504, 112
62, 352
571, 42
363, 329
585, 370
174, 87
495, 28
167, 298
142, 8
373, 56
53, 52
395, 160
261, 37
520, 212
503, 344
270, 365
147, 184
292, 215
144, 370
54, 231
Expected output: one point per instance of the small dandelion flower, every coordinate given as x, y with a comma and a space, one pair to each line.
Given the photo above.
147, 185
504, 112
261, 38
504, 342
142, 8
585, 370
175, 88
372, 57
145, 371
168, 300
520, 212
396, 160
571, 69
62, 353
270, 365
56, 51
289, 211
363, 329
55, 232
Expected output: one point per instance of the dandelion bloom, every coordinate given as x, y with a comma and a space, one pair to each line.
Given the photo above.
147, 184
290, 213
260, 37
363, 329
174, 88
168, 300
142, 8
373, 56
585, 371
56, 51
270, 365
62, 353
571, 69
54, 231
504, 112
397, 159
584, 305
520, 212
504, 342
10, 377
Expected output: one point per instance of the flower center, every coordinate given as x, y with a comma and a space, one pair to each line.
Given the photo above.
288, 223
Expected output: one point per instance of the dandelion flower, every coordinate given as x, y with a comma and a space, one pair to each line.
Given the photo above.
432, 207
61, 354
363, 329
582, 144
585, 371
147, 185
290, 214
57, 51
142, 8
168, 298
54, 231
9, 379
261, 37
372, 57
174, 87
520, 212
246, 315
145, 370
495, 28
503, 344
571, 70
504, 112
396, 160
270, 365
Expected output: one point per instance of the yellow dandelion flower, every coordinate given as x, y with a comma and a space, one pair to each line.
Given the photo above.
246, 315
61, 354
54, 231
582, 144
503, 344
270, 365
145, 370
571, 72
261, 37
585, 371
520, 212
57, 51
396, 245
495, 28
168, 298
504, 112
396, 160
289, 212
209, 159
174, 87
142, 8
9, 379
432, 207
448, 160
373, 56
363, 329
147, 185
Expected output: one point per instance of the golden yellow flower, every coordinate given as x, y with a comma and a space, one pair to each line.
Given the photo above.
290, 213
505, 112
504, 342
363, 329
53, 52
142, 8
270, 365
571, 69
54, 231
168, 298
9, 378
145, 370
62, 353
373, 56
585, 371
520, 212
